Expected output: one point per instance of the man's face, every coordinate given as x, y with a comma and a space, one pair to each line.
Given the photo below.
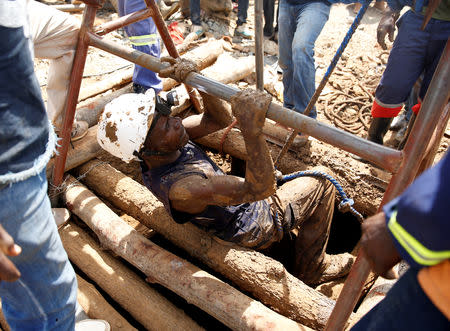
168, 135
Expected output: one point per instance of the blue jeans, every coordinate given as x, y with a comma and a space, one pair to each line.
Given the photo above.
242, 12
299, 27
405, 307
44, 297
195, 12
143, 36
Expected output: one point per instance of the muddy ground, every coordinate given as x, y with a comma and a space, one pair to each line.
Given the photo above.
355, 78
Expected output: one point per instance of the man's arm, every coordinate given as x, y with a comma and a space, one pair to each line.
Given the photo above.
193, 194
413, 226
387, 26
217, 116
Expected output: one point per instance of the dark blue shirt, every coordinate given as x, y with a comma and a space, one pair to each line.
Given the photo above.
247, 224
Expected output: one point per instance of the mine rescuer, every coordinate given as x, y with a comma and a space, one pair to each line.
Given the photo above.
250, 212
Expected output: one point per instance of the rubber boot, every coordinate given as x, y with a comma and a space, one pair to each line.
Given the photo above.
378, 129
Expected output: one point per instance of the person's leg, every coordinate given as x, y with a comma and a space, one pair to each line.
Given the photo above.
55, 35
242, 12
143, 37
195, 12
405, 64
286, 26
312, 202
269, 9
44, 297
405, 307
310, 21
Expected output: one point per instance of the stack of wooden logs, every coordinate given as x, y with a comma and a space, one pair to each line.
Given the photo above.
274, 299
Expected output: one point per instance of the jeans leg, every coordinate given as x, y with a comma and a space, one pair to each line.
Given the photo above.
310, 20
269, 9
44, 297
286, 25
405, 307
195, 12
242, 12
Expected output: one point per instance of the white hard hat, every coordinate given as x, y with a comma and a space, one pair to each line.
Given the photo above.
124, 124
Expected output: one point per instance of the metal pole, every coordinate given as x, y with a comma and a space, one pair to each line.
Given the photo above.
173, 52
259, 45
74, 90
383, 156
107, 27
427, 119
435, 141
325, 78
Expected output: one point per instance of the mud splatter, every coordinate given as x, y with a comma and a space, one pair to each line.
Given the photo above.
110, 132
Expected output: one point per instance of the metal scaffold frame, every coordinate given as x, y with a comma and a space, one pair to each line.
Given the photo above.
416, 156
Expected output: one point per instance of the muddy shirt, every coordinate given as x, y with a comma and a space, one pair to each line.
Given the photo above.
255, 224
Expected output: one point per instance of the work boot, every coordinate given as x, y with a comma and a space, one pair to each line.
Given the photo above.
378, 129
333, 267
197, 29
242, 31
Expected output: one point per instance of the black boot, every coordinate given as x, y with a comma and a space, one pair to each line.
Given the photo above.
378, 129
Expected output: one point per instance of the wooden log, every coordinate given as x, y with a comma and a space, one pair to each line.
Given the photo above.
91, 112
83, 150
119, 78
145, 304
97, 307
229, 69
263, 277
70, 8
220, 300
203, 56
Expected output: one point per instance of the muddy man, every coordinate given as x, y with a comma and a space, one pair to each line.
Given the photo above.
250, 211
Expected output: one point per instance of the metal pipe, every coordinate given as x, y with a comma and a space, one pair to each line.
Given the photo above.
435, 141
74, 90
259, 44
171, 49
432, 107
70, 7
385, 157
107, 27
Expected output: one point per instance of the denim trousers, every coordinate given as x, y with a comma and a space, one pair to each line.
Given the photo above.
242, 12
405, 307
194, 6
44, 297
144, 38
299, 27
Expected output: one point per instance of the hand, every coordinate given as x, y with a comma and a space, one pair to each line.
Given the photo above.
386, 26
378, 247
250, 109
8, 270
